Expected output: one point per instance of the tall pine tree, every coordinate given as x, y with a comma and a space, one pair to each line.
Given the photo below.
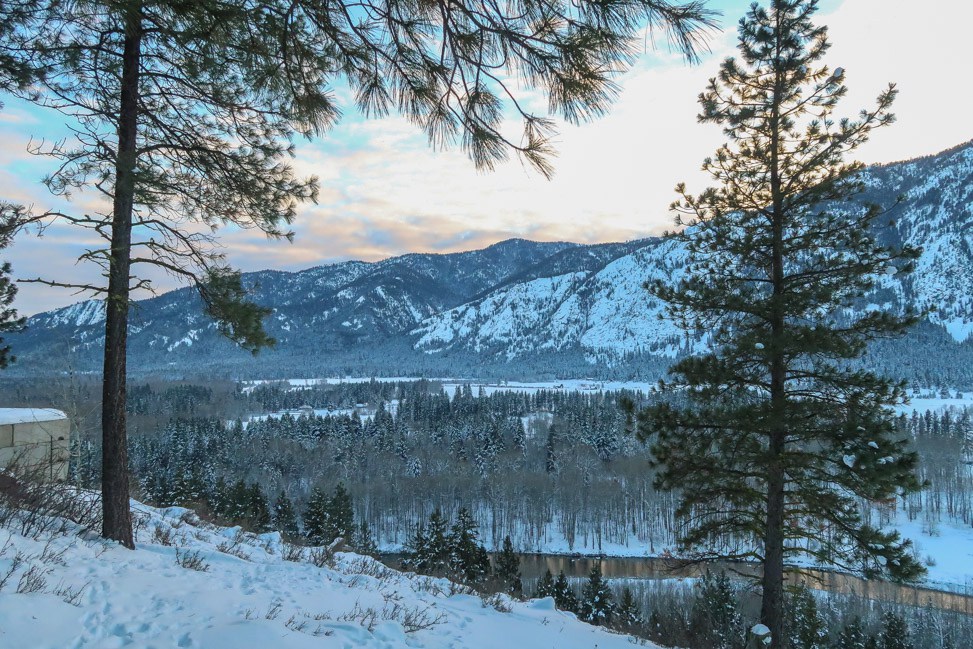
469, 559
783, 434
184, 114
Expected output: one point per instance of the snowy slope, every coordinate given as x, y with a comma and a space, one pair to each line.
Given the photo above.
937, 215
605, 312
97, 594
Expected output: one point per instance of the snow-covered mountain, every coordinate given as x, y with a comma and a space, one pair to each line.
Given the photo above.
524, 307
606, 312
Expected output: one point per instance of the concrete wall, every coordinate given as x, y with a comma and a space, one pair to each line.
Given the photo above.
36, 445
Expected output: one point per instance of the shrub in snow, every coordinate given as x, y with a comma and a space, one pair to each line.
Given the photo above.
191, 560
36, 509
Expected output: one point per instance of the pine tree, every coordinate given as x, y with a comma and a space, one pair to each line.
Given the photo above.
237, 503
519, 436
340, 516
219, 497
629, 615
895, 632
545, 586
781, 434
597, 604
805, 628
469, 559
439, 549
364, 543
550, 450
284, 517
715, 621
316, 523
258, 512
184, 115
430, 551
416, 551
564, 597
15, 75
508, 569
852, 636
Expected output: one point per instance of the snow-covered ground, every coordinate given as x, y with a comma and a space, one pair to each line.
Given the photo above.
947, 549
451, 385
89, 593
918, 401
935, 402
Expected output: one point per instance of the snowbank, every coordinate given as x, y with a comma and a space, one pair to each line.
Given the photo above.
251, 593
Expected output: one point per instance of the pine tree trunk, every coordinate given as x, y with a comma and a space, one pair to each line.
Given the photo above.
771, 612
772, 605
773, 577
117, 524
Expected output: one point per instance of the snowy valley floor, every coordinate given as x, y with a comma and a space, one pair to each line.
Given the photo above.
89, 593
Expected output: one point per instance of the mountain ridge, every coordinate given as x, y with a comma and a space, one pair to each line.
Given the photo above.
519, 306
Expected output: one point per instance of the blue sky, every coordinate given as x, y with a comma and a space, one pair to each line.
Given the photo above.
384, 192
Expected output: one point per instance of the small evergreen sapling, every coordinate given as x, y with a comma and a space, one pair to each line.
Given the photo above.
316, 517
895, 632
805, 628
545, 586
363, 542
508, 570
715, 620
597, 604
629, 614
853, 636
564, 597
284, 517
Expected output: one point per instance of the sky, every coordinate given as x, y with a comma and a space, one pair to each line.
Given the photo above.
384, 192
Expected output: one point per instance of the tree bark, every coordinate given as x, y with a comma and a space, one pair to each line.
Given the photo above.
772, 604
117, 523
